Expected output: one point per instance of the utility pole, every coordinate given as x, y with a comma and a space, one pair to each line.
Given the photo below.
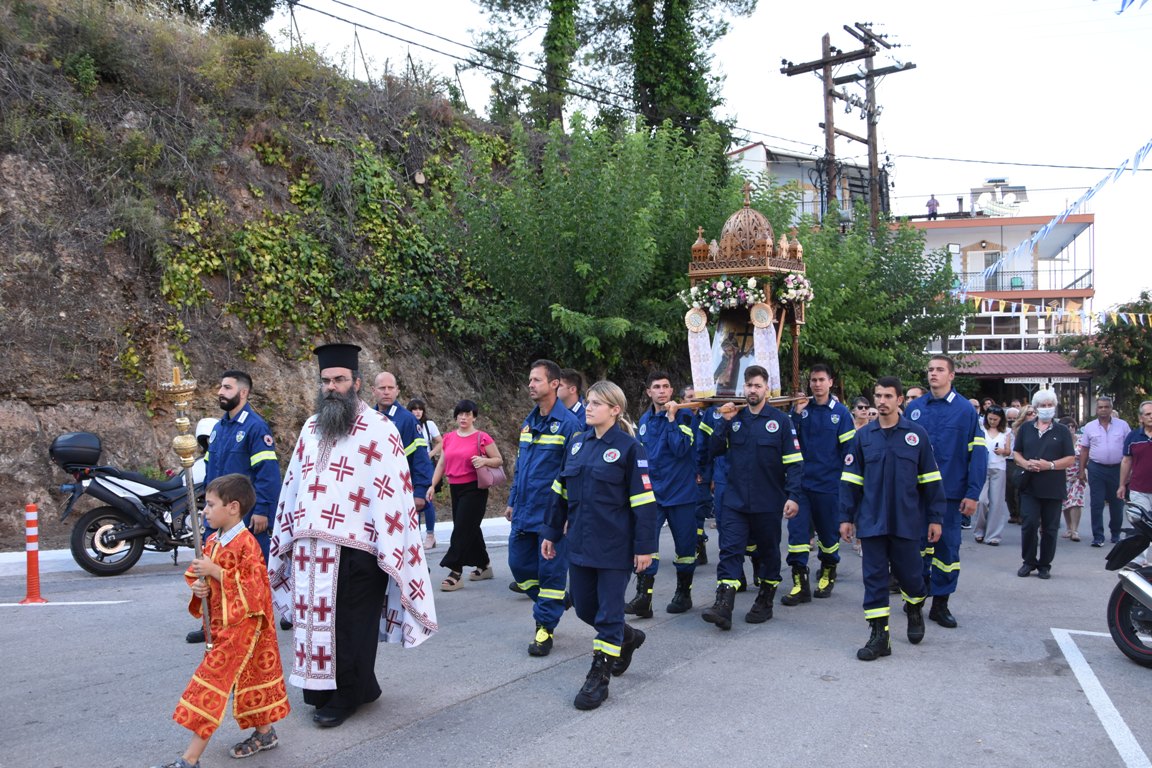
833, 57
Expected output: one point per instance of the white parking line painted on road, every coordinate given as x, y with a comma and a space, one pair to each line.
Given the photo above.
1122, 738
49, 605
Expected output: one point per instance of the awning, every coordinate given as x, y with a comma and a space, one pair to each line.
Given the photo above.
1000, 365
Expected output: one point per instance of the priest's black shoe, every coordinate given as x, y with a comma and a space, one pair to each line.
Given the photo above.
195, 636
331, 717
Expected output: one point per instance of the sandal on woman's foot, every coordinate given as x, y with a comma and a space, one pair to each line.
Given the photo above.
179, 763
1075, 536
452, 583
1066, 535
481, 574
257, 742
979, 539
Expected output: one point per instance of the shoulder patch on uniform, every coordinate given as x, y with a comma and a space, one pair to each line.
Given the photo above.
611, 455
211, 436
912, 438
835, 418
804, 414
555, 427
525, 428
642, 463
951, 396
268, 441
772, 426
576, 448
240, 436
848, 460
735, 426
915, 414
643, 429
647, 483
243, 417
716, 415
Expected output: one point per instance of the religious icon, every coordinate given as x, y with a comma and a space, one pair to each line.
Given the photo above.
732, 352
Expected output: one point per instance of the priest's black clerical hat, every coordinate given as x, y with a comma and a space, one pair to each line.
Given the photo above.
338, 356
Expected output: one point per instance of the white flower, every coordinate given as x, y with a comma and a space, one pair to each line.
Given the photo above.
751, 282
719, 285
696, 305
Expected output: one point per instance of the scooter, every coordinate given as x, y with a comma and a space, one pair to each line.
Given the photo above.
139, 513
1130, 607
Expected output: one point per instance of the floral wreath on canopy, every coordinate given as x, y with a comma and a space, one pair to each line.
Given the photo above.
727, 293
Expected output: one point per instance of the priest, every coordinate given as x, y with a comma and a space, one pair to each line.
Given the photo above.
347, 563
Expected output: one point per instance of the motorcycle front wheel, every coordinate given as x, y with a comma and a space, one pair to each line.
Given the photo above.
94, 553
1130, 623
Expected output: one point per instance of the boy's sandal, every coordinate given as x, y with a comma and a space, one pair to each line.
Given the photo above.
257, 742
452, 583
481, 574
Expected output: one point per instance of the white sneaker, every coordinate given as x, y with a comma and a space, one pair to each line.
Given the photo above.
430, 541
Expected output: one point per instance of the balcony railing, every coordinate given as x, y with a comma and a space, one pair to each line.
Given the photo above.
1003, 280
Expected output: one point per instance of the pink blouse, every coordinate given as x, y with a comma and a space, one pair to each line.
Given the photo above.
458, 453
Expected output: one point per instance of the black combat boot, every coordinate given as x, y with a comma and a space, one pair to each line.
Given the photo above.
720, 613
879, 644
826, 581
682, 600
701, 551
595, 688
641, 605
633, 639
762, 607
915, 613
940, 614
541, 644
801, 591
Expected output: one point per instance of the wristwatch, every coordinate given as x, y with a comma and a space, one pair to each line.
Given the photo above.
1051, 465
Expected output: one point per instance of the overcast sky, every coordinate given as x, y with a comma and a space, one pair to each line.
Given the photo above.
1047, 82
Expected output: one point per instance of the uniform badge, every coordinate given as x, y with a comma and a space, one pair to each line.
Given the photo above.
716, 415
643, 430
240, 436
914, 415
647, 483
611, 455
848, 460
804, 414
268, 441
211, 436
772, 426
835, 418
576, 448
642, 463
525, 428
555, 427
736, 427
912, 438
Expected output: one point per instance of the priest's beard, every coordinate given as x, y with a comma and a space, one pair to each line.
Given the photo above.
336, 413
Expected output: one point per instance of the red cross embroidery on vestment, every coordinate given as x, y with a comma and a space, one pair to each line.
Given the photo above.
358, 499
301, 608
394, 524
305, 468
416, 589
391, 621
398, 557
325, 559
383, 486
397, 448
300, 449
413, 519
321, 611
342, 468
359, 426
407, 478
370, 453
316, 489
333, 516
301, 655
414, 556
321, 657
370, 529
302, 559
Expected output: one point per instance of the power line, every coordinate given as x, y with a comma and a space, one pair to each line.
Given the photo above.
1023, 165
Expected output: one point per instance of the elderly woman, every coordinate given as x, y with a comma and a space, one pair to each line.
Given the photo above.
1043, 449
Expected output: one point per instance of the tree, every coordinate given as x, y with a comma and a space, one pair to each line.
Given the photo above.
241, 17
1118, 353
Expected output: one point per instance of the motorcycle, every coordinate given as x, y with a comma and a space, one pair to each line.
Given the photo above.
1130, 607
139, 512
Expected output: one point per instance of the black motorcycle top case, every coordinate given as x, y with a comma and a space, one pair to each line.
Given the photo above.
75, 448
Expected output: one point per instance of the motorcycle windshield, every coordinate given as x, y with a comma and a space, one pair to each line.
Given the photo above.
1126, 551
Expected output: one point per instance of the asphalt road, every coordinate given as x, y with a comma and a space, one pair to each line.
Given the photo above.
95, 684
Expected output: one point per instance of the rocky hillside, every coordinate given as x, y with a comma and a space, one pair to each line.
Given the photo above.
171, 198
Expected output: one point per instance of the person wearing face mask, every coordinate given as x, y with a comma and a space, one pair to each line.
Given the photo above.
1043, 450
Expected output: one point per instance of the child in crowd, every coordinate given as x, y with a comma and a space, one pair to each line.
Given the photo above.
242, 655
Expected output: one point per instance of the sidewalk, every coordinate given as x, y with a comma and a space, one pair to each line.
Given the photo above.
495, 529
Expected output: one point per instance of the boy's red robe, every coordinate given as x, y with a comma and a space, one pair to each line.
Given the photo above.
244, 653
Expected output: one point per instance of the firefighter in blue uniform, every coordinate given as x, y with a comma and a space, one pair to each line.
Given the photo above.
387, 391
704, 504
890, 495
765, 477
953, 427
825, 429
668, 437
605, 510
570, 394
241, 443
544, 438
